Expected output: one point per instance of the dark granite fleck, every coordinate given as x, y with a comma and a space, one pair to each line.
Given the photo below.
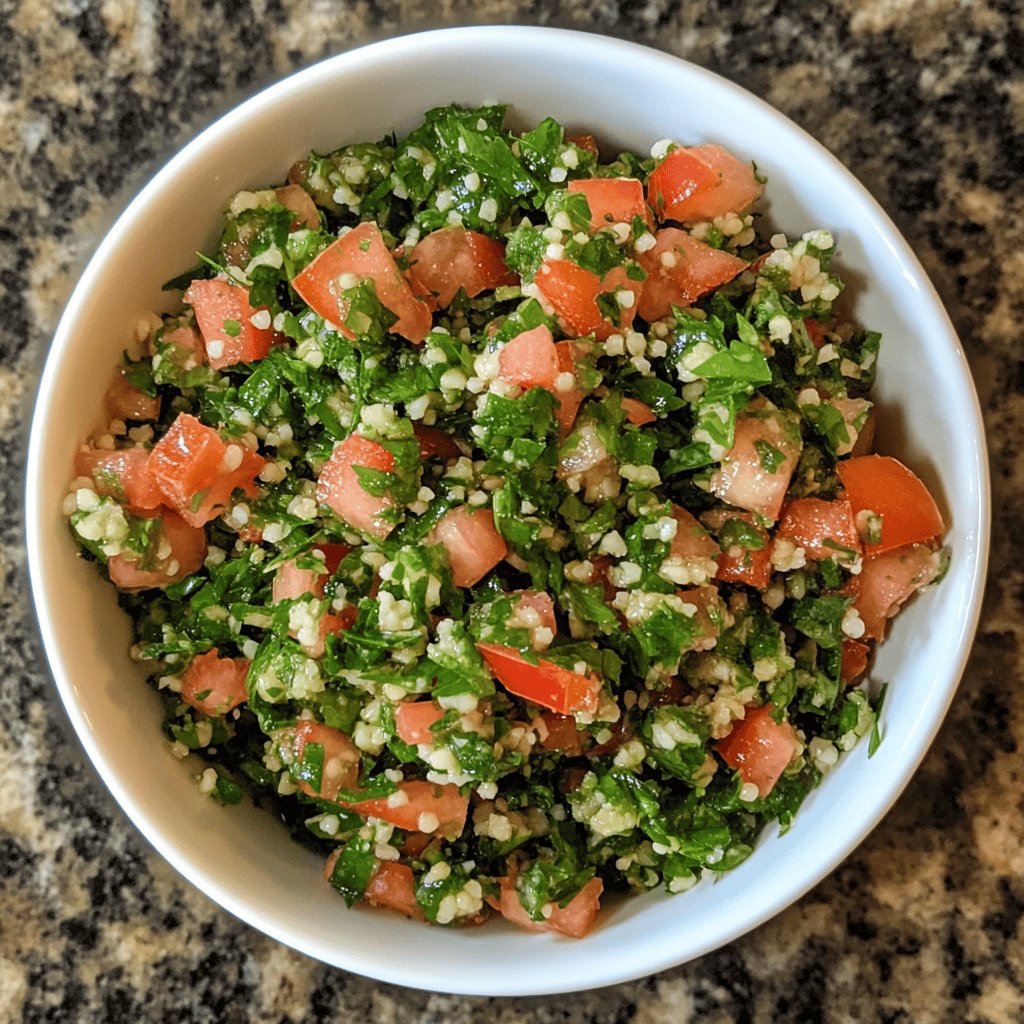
924, 101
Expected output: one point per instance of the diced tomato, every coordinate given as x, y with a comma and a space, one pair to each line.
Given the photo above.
752, 566
583, 451
215, 685
638, 413
887, 580
452, 258
339, 488
362, 253
574, 920
225, 321
680, 179
198, 472
472, 541
560, 732
291, 582
392, 886
413, 720
701, 183
443, 803
341, 758
187, 554
855, 657
545, 683
572, 293
584, 141
680, 269
300, 202
187, 350
854, 411
824, 529
886, 487
416, 843
530, 360
747, 478
124, 475
865, 443
334, 555
620, 733
125, 401
710, 615
539, 604
569, 402
612, 200
759, 748
815, 332
691, 539
435, 442
331, 623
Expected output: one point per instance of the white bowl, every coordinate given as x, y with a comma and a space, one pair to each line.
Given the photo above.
630, 97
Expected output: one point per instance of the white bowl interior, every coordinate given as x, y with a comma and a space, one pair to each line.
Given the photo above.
630, 97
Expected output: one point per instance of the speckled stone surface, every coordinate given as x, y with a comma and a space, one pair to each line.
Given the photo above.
924, 100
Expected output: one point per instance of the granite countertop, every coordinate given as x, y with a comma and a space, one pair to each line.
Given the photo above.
924, 100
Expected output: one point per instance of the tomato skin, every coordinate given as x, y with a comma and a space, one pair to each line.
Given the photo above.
341, 759
217, 302
887, 580
742, 479
188, 549
444, 802
574, 920
472, 541
638, 413
188, 462
811, 523
530, 360
124, 475
300, 202
392, 886
855, 656
221, 681
611, 200
413, 720
545, 683
759, 748
452, 258
338, 486
572, 292
124, 401
884, 485
316, 285
698, 268
701, 183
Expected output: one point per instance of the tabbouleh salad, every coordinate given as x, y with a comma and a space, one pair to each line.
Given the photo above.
506, 518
